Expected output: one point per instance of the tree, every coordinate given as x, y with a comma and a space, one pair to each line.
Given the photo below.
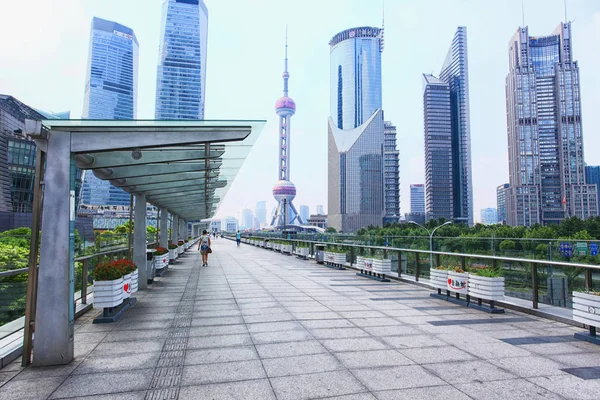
331, 229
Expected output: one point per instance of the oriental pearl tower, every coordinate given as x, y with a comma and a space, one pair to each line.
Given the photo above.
284, 190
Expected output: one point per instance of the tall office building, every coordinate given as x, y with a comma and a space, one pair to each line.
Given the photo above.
489, 216
110, 93
304, 213
448, 136
247, 221
501, 202
592, 177
391, 172
181, 74
356, 130
545, 140
417, 198
261, 212
320, 209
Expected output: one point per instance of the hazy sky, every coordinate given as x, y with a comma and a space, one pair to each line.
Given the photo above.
43, 55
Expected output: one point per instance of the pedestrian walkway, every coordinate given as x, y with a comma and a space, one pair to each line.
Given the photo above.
261, 325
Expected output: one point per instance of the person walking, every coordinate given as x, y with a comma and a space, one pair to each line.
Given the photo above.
204, 247
238, 238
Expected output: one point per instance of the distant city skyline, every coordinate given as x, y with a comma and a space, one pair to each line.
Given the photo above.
40, 80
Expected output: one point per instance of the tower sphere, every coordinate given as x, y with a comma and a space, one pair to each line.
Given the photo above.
284, 190
285, 105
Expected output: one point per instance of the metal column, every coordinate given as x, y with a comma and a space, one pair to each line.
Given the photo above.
54, 319
164, 227
139, 240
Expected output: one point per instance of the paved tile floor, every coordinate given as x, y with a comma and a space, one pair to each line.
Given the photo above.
260, 325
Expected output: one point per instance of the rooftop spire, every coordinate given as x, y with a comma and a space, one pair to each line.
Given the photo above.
286, 75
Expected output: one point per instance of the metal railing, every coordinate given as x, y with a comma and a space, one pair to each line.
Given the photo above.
539, 281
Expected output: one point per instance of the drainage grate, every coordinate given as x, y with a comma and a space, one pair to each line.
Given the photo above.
169, 369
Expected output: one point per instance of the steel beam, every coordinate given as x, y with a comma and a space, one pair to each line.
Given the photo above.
165, 178
133, 171
141, 157
181, 189
165, 185
91, 141
164, 227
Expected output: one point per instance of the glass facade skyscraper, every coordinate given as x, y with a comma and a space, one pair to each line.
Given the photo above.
181, 74
417, 198
545, 140
501, 202
439, 167
391, 174
356, 154
592, 177
455, 75
110, 93
355, 76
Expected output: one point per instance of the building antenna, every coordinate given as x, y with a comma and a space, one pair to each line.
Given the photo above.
285, 73
566, 19
523, 12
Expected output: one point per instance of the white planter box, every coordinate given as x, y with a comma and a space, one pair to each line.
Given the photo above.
458, 282
302, 251
439, 278
134, 281
360, 261
335, 258
108, 293
180, 249
161, 262
482, 287
172, 254
126, 286
586, 309
367, 264
286, 248
382, 266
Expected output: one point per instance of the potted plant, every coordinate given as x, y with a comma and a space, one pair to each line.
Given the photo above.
186, 244
160, 258
486, 283
458, 280
180, 248
172, 251
438, 277
286, 247
586, 308
335, 255
108, 285
360, 261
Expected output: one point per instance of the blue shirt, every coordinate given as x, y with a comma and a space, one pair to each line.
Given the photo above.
238, 236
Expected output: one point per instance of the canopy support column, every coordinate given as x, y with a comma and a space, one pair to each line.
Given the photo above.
164, 227
175, 230
139, 240
54, 319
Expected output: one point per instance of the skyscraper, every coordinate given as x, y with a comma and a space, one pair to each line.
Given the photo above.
545, 141
391, 174
110, 93
261, 212
489, 216
247, 219
356, 130
417, 198
181, 73
438, 149
448, 136
320, 209
304, 213
501, 202
592, 177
